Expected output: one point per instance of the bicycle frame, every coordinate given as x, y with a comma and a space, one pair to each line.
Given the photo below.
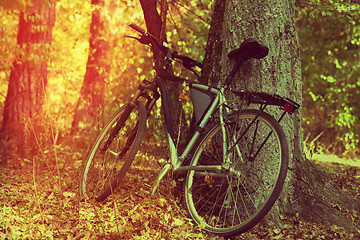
176, 162
217, 104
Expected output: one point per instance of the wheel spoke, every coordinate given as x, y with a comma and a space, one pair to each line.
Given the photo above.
115, 154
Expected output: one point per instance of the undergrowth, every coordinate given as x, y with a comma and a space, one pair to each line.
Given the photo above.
39, 200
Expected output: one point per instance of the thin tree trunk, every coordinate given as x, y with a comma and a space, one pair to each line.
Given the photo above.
307, 191
156, 25
21, 125
91, 102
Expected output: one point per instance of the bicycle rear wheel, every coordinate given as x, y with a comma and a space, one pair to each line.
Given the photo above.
232, 201
113, 152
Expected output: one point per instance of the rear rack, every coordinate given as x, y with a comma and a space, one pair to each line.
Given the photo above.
268, 99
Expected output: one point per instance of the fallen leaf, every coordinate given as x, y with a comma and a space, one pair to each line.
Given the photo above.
69, 194
178, 222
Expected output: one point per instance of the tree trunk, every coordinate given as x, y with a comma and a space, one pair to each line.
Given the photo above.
91, 102
22, 117
307, 191
156, 25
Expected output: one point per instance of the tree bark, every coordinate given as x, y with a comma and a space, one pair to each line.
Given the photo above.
307, 191
21, 126
91, 102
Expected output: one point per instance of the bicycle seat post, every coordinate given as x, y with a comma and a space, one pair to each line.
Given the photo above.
233, 72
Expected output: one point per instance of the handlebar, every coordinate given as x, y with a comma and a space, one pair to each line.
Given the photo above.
148, 38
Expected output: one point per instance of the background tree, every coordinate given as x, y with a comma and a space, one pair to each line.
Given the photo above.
91, 102
307, 191
28, 79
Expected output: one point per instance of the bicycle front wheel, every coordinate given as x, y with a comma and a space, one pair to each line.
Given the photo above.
113, 152
254, 162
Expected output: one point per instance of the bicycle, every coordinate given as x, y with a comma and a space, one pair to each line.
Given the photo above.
237, 168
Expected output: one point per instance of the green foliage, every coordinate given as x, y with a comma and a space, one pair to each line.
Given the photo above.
329, 39
187, 29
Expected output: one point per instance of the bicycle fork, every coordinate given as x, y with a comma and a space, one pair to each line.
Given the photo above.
120, 123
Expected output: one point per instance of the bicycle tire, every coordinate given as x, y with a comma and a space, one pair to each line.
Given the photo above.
233, 201
109, 160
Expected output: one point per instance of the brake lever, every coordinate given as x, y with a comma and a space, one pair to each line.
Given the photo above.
127, 36
143, 39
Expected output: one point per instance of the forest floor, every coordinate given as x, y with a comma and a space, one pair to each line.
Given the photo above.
38, 200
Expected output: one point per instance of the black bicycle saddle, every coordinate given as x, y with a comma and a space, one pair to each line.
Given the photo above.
250, 48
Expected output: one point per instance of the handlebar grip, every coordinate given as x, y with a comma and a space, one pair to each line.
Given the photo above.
137, 28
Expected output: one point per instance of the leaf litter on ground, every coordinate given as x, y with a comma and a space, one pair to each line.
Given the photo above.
34, 204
